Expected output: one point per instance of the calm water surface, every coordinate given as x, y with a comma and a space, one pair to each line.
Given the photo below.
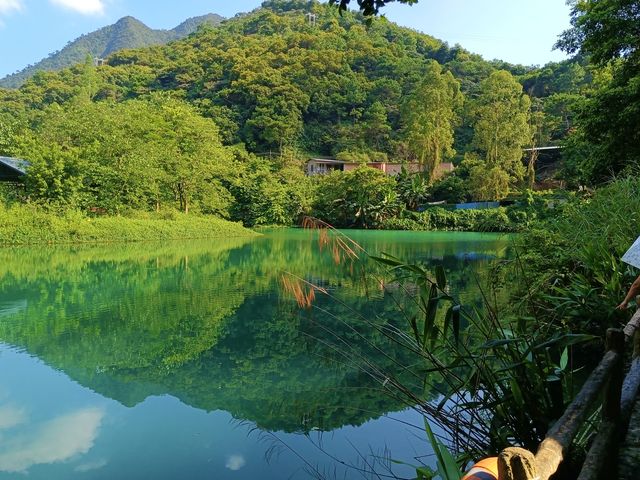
187, 359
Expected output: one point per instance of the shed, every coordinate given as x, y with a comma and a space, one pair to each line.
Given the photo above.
12, 169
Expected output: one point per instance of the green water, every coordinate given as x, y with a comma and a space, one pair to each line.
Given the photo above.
187, 359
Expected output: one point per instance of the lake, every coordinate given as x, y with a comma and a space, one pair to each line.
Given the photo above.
189, 360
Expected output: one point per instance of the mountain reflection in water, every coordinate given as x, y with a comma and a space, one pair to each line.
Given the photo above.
206, 323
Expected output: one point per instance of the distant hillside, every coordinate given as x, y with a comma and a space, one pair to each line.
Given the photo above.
127, 32
327, 83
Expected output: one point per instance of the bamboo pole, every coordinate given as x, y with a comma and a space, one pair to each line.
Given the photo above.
557, 441
631, 385
605, 446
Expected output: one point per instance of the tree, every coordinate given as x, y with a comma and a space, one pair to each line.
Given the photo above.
607, 140
266, 194
413, 189
363, 197
604, 29
137, 154
368, 7
195, 156
488, 184
376, 128
55, 175
7, 136
430, 115
501, 123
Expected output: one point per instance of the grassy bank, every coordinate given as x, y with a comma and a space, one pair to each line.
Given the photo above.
26, 224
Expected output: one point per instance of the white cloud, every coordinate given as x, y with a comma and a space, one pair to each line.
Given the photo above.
85, 7
11, 416
54, 441
89, 466
235, 462
7, 6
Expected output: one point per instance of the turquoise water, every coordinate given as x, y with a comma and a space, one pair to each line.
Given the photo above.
188, 359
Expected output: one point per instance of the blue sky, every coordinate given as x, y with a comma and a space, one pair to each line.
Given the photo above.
518, 31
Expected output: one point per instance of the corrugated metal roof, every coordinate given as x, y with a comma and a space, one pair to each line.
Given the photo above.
17, 164
328, 160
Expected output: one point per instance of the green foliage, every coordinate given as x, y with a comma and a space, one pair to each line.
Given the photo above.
606, 142
368, 7
446, 465
56, 174
413, 189
488, 183
29, 224
362, 157
272, 80
574, 274
363, 197
474, 179
430, 115
8, 135
451, 188
85, 156
604, 29
125, 33
486, 220
484, 359
501, 128
267, 197
140, 131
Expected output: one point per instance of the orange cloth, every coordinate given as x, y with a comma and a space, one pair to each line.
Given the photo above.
485, 469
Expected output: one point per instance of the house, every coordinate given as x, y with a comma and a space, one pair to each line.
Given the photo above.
316, 166
12, 169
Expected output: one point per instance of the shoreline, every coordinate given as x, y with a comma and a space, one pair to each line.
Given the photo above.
29, 227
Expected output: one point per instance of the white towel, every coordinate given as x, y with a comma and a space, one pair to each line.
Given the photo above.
632, 257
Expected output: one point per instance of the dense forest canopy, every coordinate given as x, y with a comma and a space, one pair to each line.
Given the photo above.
607, 137
223, 121
127, 32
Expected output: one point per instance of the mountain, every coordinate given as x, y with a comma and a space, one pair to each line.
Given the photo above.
298, 73
128, 32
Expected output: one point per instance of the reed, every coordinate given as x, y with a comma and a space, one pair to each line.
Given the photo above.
500, 380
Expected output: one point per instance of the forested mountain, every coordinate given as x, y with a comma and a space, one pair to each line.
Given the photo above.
127, 32
223, 120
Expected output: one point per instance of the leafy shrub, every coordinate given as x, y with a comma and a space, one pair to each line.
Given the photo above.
451, 188
572, 263
364, 197
490, 220
264, 197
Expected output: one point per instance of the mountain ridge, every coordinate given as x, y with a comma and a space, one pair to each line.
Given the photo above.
127, 32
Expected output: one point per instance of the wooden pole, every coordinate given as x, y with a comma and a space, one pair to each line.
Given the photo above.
611, 403
516, 463
519, 464
631, 386
553, 447
601, 455
605, 446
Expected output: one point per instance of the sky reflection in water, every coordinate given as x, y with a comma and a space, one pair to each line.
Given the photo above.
159, 361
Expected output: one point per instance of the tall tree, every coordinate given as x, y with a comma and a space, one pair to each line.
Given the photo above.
604, 29
607, 140
430, 115
134, 154
501, 123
